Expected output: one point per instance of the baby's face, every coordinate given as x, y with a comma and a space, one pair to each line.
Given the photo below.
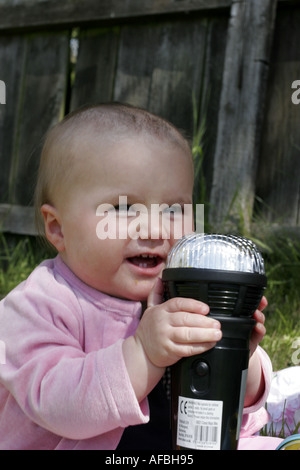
147, 172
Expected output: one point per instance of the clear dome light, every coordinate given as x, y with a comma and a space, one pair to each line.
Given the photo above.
217, 252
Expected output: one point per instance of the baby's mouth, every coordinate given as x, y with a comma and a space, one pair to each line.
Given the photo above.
145, 261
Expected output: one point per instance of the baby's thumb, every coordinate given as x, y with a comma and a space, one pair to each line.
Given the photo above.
156, 295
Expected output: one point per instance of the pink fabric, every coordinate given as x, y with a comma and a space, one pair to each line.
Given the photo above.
65, 384
256, 416
259, 443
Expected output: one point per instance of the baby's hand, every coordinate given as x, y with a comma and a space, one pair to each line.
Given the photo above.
259, 330
176, 328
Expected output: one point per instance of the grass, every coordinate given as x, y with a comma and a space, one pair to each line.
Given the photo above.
283, 293
18, 257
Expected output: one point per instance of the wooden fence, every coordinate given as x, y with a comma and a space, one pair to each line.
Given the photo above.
236, 60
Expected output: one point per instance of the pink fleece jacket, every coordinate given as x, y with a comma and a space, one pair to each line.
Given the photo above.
64, 384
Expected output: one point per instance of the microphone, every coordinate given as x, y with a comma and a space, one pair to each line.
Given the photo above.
208, 390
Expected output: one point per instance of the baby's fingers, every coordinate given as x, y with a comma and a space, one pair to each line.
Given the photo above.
193, 320
195, 336
182, 304
263, 303
188, 350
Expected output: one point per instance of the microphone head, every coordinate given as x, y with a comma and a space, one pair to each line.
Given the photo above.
224, 271
213, 251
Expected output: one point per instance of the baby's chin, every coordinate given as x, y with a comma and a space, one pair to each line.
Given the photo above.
140, 293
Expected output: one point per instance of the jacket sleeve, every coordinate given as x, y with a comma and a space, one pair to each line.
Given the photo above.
55, 383
256, 416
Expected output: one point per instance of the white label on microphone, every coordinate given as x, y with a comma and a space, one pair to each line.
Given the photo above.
199, 423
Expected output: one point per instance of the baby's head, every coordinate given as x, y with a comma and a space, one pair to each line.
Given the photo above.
94, 156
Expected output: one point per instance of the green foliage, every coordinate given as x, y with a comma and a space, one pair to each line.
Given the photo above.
18, 257
282, 315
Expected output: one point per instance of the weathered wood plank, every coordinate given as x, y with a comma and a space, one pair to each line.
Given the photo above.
44, 84
44, 13
17, 219
138, 47
95, 66
26, 14
160, 66
241, 111
278, 182
12, 54
211, 87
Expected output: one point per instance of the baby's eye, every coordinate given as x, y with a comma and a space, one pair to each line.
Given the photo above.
124, 208
175, 209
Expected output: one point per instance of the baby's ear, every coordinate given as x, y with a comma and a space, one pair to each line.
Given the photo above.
53, 227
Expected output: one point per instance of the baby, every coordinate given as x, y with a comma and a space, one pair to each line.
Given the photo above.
88, 336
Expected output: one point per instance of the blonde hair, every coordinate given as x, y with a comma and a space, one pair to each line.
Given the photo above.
110, 120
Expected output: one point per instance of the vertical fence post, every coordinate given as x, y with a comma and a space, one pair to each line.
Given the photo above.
249, 40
